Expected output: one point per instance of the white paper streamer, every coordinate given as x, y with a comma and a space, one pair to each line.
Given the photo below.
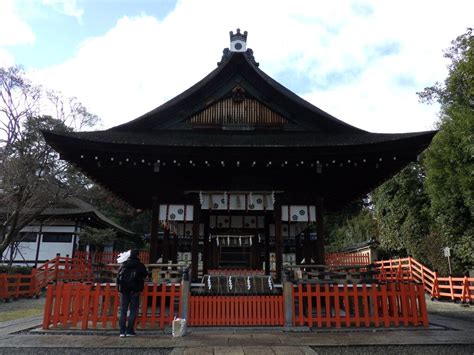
249, 286
230, 282
270, 284
209, 282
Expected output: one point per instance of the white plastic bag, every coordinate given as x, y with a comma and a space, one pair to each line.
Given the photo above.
122, 257
179, 327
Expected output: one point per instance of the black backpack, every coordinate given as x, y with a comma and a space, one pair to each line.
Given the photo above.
127, 279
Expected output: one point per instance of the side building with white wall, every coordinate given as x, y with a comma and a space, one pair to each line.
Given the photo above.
57, 230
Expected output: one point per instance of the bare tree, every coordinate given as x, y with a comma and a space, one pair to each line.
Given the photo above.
32, 177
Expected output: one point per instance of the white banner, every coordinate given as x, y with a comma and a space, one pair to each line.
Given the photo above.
170, 213
236, 201
298, 213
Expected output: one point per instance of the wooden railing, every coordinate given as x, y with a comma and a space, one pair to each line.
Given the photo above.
54, 270
63, 269
359, 305
332, 274
346, 259
403, 269
90, 306
108, 257
18, 285
236, 310
239, 272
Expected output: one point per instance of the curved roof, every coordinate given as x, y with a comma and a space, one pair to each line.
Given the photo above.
239, 69
237, 116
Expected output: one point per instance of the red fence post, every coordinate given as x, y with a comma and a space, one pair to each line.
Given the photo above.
48, 306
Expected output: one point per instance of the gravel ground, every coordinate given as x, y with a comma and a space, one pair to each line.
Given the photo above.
451, 309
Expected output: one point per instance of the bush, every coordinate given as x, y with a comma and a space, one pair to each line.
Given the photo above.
24, 270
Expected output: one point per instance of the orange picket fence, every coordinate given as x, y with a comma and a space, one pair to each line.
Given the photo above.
236, 310
91, 306
108, 257
333, 305
403, 269
346, 259
18, 285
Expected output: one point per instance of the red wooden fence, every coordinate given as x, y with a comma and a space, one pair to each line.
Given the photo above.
236, 310
63, 269
72, 305
324, 305
455, 288
18, 285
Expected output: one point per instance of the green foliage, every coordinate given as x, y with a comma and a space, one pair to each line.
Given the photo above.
347, 230
122, 214
427, 207
450, 160
401, 208
97, 237
11, 270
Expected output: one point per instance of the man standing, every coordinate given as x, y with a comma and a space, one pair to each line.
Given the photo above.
130, 283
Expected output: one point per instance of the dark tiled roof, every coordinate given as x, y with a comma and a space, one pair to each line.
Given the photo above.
210, 138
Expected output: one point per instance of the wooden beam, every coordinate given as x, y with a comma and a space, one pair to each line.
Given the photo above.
155, 212
319, 245
267, 244
174, 249
207, 245
38, 245
297, 249
307, 250
195, 241
278, 241
166, 245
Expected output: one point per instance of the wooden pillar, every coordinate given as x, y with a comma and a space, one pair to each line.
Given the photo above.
195, 241
253, 251
207, 245
307, 250
267, 244
278, 241
319, 245
297, 249
174, 249
166, 245
215, 254
155, 215
74, 238
38, 244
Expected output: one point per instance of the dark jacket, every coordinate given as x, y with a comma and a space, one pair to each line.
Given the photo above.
142, 273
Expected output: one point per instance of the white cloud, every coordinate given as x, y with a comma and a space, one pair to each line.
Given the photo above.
142, 62
66, 7
13, 30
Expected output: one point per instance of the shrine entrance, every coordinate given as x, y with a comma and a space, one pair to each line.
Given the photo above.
235, 252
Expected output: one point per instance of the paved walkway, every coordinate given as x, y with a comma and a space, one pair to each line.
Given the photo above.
451, 331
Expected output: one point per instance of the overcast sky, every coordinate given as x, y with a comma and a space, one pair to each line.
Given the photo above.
361, 61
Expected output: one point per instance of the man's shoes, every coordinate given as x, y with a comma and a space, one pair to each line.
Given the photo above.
122, 335
131, 334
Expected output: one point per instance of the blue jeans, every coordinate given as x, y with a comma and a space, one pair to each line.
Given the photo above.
131, 299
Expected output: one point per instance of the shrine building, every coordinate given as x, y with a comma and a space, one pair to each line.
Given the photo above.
238, 170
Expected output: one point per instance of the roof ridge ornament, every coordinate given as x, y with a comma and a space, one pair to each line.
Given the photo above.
238, 43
